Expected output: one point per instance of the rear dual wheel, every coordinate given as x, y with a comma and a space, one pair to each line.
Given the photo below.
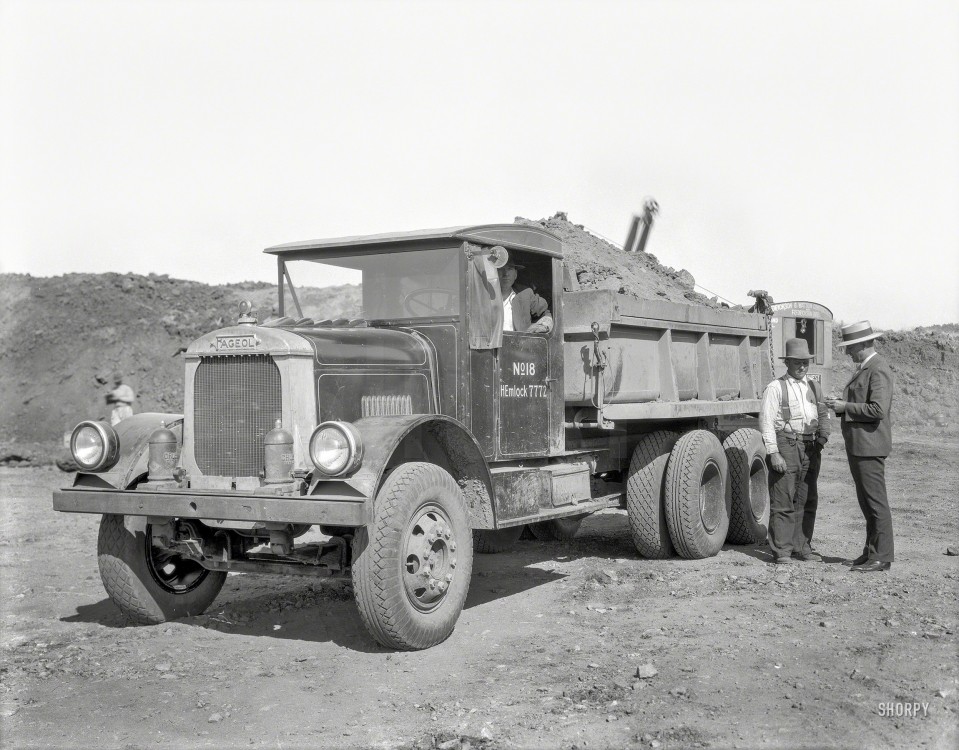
697, 502
644, 495
749, 487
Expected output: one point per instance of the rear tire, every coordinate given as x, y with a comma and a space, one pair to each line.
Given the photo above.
697, 501
557, 529
494, 541
151, 585
645, 495
749, 487
412, 564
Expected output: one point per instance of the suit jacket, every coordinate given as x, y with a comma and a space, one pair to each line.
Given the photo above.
867, 420
527, 307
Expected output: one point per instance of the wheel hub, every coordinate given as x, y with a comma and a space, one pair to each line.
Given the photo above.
758, 489
711, 497
429, 562
173, 571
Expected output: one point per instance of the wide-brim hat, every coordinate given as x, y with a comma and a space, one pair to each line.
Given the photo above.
856, 333
797, 349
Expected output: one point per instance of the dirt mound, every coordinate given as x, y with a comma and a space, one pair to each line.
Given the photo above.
65, 337
599, 264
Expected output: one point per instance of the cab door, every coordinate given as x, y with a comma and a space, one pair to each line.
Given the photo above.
523, 395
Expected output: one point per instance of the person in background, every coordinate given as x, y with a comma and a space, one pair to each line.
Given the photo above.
794, 424
122, 398
866, 410
523, 308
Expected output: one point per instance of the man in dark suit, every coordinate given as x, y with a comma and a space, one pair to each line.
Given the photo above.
866, 409
523, 308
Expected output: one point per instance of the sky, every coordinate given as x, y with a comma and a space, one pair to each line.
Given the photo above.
807, 148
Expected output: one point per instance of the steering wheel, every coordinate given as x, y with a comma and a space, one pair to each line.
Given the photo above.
424, 301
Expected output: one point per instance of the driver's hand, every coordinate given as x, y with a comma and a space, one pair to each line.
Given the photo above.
545, 325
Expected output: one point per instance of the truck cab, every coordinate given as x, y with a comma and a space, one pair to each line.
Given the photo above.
441, 287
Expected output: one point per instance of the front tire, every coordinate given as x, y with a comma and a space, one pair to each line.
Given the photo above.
151, 585
412, 564
697, 503
749, 487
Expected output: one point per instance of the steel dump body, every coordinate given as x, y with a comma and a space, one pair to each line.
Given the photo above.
664, 360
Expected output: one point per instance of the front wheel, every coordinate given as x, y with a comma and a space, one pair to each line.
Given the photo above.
412, 564
149, 584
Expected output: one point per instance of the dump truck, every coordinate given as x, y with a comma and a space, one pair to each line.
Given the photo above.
389, 444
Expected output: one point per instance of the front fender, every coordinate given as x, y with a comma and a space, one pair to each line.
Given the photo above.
439, 439
134, 434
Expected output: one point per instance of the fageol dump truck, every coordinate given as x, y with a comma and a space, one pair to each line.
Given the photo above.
390, 446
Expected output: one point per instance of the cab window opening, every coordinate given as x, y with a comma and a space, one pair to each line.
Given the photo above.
373, 286
534, 272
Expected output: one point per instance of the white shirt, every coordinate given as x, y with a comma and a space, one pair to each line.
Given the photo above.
508, 311
802, 412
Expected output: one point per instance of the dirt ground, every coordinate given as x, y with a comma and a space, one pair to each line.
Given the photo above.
735, 652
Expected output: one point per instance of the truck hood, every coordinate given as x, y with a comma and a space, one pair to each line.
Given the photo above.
327, 345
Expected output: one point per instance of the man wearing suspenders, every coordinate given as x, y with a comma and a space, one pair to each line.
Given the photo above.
794, 423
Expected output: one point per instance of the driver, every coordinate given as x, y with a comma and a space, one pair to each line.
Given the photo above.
523, 308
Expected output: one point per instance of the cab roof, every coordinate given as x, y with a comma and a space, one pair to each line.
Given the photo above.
510, 236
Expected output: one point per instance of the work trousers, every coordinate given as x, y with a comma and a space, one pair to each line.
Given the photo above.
787, 494
869, 474
809, 504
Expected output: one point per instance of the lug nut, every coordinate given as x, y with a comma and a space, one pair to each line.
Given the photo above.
443, 587
449, 577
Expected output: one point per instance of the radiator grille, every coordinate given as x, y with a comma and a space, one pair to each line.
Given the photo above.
236, 401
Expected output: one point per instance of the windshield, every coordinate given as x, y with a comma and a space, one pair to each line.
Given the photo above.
414, 284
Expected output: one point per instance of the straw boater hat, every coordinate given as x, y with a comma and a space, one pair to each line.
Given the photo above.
797, 349
856, 333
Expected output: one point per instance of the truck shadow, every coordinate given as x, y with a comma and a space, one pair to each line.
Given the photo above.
322, 610
296, 609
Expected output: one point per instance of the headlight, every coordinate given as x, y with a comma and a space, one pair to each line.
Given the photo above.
95, 446
336, 448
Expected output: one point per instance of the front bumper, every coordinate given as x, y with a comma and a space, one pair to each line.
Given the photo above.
235, 506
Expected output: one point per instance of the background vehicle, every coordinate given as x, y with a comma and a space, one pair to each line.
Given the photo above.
386, 446
805, 320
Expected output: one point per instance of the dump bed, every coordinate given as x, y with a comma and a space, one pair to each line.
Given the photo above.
664, 360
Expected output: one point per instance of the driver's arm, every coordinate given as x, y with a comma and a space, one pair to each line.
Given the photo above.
539, 310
